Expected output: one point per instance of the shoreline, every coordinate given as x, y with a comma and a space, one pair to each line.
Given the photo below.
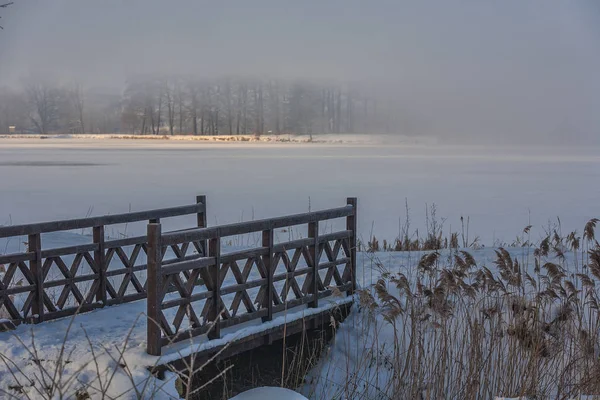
284, 138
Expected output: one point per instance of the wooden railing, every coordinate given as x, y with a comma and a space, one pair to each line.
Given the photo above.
43, 284
265, 280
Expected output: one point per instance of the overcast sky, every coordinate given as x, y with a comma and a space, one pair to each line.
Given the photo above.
508, 67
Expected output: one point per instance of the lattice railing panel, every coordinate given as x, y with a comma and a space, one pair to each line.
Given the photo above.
16, 290
126, 270
334, 255
181, 310
209, 292
289, 264
70, 282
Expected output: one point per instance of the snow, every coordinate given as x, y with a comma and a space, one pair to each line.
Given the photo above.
111, 330
269, 393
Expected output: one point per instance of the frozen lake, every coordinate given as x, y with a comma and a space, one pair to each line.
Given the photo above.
500, 189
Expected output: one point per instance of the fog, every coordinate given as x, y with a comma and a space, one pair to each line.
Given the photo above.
501, 71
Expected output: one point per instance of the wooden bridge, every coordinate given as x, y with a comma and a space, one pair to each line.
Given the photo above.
192, 288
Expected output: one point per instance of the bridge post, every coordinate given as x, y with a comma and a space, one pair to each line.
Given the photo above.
201, 216
100, 261
34, 245
351, 225
154, 295
267, 241
214, 250
313, 233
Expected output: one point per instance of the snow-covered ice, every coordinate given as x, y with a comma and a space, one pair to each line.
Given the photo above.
501, 189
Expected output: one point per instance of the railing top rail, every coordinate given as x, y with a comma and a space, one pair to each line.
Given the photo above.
255, 226
65, 225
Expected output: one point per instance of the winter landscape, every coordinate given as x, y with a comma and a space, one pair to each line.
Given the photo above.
469, 268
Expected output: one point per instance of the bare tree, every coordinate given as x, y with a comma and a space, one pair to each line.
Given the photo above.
155, 94
242, 108
13, 110
135, 106
259, 109
44, 102
275, 105
5, 5
232, 105
170, 100
76, 99
179, 93
194, 105
229, 105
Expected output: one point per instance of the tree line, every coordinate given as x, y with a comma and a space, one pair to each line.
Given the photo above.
169, 105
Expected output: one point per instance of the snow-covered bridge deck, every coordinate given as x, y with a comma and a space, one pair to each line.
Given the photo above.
116, 337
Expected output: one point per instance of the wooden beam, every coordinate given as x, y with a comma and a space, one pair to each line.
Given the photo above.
351, 225
34, 244
201, 220
313, 233
267, 241
154, 289
214, 250
316, 321
256, 226
66, 225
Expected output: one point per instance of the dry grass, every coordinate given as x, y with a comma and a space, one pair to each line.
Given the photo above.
526, 327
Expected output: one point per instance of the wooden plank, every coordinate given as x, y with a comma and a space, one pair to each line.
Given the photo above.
143, 267
291, 245
244, 254
315, 216
288, 275
328, 237
334, 263
182, 301
188, 265
52, 315
191, 235
294, 303
65, 225
68, 281
252, 341
17, 290
126, 270
71, 250
185, 258
243, 286
328, 292
17, 257
255, 226
240, 319
154, 297
128, 298
112, 244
